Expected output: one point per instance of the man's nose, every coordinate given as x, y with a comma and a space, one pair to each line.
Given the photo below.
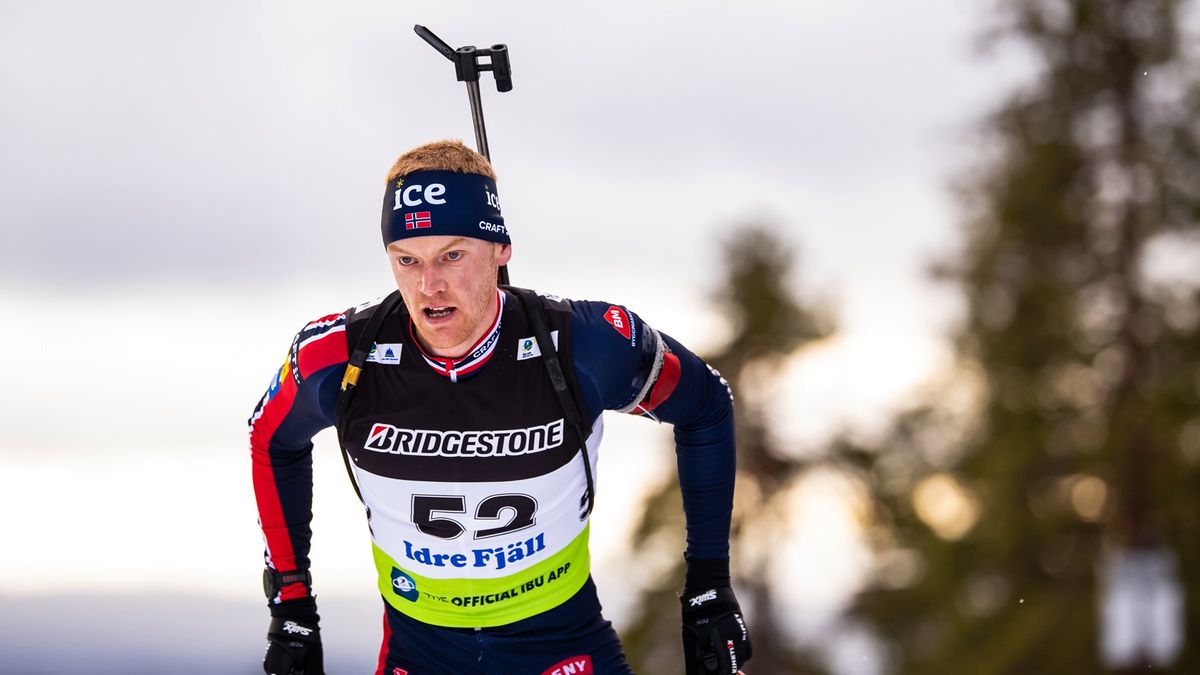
432, 280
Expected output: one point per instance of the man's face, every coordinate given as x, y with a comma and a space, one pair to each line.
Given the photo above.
449, 287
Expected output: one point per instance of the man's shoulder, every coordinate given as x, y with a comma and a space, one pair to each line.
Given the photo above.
589, 313
603, 328
548, 300
364, 310
322, 326
322, 342
608, 321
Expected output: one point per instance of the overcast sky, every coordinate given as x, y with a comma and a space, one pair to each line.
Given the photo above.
185, 184
160, 157
188, 142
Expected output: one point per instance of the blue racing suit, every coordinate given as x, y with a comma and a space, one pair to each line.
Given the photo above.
472, 481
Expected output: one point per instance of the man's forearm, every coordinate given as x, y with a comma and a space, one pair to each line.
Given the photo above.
701, 410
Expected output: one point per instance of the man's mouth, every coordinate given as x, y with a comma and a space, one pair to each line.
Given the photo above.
438, 313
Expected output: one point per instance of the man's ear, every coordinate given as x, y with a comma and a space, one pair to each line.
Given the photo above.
503, 254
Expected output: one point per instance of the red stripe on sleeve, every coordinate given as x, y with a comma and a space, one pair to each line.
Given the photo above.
668, 379
327, 350
270, 510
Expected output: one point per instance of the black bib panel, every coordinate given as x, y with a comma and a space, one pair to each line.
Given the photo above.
504, 422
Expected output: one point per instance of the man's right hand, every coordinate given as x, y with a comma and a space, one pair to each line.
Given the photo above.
294, 640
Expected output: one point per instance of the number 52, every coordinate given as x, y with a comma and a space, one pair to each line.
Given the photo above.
521, 509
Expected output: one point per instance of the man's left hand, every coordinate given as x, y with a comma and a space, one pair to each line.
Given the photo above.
715, 638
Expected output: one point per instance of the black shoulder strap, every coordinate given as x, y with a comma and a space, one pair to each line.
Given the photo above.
537, 318
362, 349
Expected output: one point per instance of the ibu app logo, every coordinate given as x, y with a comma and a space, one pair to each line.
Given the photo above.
528, 348
403, 585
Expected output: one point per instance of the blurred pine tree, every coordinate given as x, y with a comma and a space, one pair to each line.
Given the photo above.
995, 521
768, 325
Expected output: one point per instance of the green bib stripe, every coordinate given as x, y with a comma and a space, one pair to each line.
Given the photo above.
481, 603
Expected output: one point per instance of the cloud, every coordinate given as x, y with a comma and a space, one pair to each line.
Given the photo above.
197, 141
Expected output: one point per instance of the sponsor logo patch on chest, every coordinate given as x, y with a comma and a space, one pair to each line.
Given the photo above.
387, 353
492, 443
528, 348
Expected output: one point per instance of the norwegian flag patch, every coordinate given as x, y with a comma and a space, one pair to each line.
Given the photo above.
417, 220
619, 320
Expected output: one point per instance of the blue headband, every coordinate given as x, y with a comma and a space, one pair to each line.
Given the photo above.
426, 203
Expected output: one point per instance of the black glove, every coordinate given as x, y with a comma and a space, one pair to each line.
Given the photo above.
715, 638
294, 639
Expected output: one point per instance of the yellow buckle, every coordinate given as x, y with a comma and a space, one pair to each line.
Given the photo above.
350, 379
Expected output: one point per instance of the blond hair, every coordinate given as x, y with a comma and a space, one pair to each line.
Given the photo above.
447, 155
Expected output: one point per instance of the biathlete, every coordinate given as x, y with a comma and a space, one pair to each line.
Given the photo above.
469, 417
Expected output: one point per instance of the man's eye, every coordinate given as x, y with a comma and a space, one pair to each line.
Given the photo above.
454, 255
406, 260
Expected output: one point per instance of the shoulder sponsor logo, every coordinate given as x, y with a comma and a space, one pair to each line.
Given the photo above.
619, 320
387, 353
403, 585
528, 348
497, 443
576, 665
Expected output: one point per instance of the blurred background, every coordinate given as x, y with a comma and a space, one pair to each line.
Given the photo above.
945, 253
